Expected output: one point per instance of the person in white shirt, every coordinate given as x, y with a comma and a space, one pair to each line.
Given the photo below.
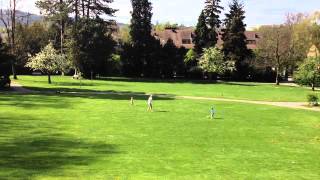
150, 108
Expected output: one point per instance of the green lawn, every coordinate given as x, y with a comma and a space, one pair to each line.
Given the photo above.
248, 91
103, 137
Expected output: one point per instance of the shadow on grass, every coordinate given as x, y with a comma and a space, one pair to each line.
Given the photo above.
26, 151
145, 80
92, 94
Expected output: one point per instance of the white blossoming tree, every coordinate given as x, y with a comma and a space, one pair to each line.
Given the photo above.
49, 61
212, 61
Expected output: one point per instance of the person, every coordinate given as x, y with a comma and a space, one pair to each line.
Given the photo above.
150, 103
131, 101
212, 112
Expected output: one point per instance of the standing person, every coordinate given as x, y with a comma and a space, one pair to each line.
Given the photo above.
150, 103
212, 111
131, 101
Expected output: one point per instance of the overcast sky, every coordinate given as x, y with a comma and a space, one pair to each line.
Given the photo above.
258, 12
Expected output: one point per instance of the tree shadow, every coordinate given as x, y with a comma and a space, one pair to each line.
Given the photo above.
33, 101
46, 150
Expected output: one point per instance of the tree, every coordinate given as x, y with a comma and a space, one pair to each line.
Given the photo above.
57, 11
48, 61
201, 32
30, 39
190, 56
234, 40
140, 32
4, 59
308, 72
275, 47
9, 19
90, 46
212, 11
212, 62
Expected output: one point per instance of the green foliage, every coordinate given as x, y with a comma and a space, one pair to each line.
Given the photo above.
212, 12
4, 59
212, 61
124, 34
308, 72
90, 46
234, 39
140, 28
163, 26
201, 39
313, 99
190, 56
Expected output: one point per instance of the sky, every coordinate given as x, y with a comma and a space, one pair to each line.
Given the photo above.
258, 12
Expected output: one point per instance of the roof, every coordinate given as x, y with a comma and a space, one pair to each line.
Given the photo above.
180, 34
177, 35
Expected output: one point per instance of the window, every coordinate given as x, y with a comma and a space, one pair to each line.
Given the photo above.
251, 42
186, 41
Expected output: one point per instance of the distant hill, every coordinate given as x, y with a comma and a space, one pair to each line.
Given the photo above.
24, 17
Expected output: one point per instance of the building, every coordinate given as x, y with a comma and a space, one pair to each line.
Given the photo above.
182, 37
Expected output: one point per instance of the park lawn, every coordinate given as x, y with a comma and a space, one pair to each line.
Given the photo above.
232, 90
103, 137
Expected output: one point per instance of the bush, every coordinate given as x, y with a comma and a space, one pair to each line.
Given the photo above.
4, 82
313, 99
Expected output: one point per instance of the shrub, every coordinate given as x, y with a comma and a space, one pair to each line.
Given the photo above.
313, 99
4, 82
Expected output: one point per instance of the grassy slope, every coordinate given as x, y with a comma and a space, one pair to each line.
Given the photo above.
250, 91
103, 137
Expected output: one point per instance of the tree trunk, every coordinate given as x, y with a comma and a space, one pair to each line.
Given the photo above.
88, 9
61, 30
313, 87
13, 30
277, 77
49, 78
76, 10
13, 71
83, 8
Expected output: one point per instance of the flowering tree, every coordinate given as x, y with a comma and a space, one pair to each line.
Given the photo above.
48, 61
212, 61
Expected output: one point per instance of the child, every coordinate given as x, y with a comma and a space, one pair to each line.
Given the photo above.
131, 101
150, 103
212, 112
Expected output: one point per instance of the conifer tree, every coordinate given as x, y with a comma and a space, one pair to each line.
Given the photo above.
212, 11
201, 34
234, 39
140, 31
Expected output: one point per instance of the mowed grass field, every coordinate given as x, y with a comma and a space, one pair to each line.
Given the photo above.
231, 90
88, 136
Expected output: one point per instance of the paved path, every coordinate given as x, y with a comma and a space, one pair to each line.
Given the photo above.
16, 87
294, 105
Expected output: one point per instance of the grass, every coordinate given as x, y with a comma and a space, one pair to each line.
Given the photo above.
231, 90
103, 137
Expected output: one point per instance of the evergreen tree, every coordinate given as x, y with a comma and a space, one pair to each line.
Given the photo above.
140, 31
200, 39
212, 10
235, 46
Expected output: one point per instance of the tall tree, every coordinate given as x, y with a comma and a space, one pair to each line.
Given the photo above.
9, 19
212, 11
56, 10
200, 38
140, 31
275, 47
235, 46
